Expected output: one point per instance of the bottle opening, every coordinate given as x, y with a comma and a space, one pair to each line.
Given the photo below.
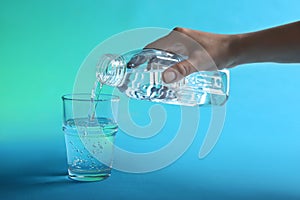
111, 69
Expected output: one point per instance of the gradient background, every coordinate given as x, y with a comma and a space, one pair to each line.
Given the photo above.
42, 45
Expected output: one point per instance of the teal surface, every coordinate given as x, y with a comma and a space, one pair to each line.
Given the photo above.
42, 45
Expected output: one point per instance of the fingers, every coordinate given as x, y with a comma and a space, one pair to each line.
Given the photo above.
178, 71
177, 41
136, 61
140, 58
183, 42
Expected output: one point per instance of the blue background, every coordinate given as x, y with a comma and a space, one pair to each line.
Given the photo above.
43, 43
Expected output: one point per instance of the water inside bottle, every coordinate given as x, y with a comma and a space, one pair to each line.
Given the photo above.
200, 88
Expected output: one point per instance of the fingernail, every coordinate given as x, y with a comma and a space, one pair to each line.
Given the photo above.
169, 76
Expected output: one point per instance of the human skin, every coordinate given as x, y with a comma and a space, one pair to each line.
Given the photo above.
279, 44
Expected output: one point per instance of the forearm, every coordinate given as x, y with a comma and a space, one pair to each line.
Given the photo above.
279, 44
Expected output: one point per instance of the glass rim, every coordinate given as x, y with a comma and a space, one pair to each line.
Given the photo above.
87, 97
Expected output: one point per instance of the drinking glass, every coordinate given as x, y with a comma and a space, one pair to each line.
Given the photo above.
90, 126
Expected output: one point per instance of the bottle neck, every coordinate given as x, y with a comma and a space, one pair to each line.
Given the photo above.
111, 70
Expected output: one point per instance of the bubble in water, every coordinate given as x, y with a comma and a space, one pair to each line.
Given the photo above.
85, 132
84, 152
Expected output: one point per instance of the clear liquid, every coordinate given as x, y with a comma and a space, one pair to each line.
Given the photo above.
201, 88
95, 94
89, 147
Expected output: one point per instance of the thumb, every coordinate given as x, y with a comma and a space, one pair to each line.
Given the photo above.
178, 71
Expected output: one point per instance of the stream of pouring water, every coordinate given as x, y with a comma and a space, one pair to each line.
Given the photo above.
95, 94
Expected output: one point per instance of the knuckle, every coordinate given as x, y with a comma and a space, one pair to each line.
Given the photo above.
179, 29
183, 68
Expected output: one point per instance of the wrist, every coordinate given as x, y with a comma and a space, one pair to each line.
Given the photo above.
234, 50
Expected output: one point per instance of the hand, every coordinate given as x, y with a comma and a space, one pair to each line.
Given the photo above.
204, 52
208, 51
